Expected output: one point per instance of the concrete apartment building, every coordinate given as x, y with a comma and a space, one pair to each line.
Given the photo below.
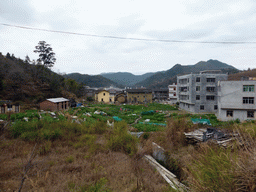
197, 93
236, 100
161, 94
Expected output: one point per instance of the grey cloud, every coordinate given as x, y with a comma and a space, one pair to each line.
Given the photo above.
128, 25
16, 11
59, 20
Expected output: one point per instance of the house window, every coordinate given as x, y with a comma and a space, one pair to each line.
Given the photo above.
248, 88
110, 100
215, 107
210, 89
248, 100
197, 97
197, 88
229, 113
198, 79
201, 107
210, 97
102, 99
62, 105
250, 114
104, 94
210, 79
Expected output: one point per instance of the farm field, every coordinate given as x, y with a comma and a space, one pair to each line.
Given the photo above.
83, 150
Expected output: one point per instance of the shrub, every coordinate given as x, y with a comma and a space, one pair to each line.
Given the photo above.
121, 140
3, 116
69, 159
99, 186
100, 127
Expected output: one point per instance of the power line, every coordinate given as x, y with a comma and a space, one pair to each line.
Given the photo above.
129, 38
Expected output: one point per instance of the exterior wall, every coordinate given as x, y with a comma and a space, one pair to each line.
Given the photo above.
111, 98
230, 98
173, 92
161, 94
14, 108
188, 92
120, 98
47, 105
102, 96
139, 97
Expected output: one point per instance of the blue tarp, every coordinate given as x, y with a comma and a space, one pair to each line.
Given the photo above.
148, 123
117, 118
202, 121
151, 112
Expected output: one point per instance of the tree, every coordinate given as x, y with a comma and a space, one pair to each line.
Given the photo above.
27, 59
46, 55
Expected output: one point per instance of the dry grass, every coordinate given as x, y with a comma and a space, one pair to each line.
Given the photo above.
55, 171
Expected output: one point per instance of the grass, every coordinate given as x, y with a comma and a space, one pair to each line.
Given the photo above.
120, 140
214, 169
90, 156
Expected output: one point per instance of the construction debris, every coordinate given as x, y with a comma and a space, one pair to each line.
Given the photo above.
137, 134
169, 177
205, 134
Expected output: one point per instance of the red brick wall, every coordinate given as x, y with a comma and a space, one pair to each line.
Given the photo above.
47, 105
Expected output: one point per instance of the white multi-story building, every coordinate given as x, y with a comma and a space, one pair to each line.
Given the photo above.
236, 100
173, 93
197, 93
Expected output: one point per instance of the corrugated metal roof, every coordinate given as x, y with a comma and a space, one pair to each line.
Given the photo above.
57, 100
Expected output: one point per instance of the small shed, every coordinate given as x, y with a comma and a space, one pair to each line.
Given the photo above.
55, 104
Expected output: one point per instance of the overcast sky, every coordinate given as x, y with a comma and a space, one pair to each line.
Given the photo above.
181, 20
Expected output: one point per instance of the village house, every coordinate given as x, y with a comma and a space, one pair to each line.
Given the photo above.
121, 98
103, 96
139, 95
236, 100
9, 106
54, 104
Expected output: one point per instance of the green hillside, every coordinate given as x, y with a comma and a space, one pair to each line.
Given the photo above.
93, 80
163, 79
22, 81
127, 79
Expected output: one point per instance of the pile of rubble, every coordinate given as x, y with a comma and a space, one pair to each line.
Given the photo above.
205, 134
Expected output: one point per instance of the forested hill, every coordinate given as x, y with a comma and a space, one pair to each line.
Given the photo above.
93, 80
22, 81
125, 78
163, 79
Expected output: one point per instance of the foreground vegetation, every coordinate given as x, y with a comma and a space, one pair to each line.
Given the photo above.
73, 151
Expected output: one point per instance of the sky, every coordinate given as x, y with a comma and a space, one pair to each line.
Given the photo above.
187, 21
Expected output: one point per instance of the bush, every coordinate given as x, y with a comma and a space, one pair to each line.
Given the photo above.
121, 140
69, 159
3, 116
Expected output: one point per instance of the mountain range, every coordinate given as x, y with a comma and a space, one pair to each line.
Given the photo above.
150, 80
